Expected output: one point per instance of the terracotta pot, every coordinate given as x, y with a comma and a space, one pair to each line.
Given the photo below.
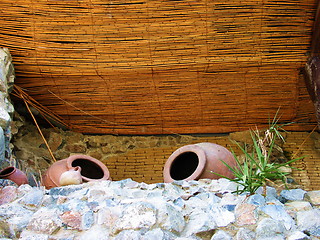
91, 170
15, 175
196, 161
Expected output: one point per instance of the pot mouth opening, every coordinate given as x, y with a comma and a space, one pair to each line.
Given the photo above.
6, 171
184, 165
88, 169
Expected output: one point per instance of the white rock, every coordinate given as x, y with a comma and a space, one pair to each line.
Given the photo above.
221, 235
136, 216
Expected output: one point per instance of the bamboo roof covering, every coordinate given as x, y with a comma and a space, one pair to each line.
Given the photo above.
163, 66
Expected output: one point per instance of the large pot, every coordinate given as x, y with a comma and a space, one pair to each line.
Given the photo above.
15, 175
198, 161
91, 170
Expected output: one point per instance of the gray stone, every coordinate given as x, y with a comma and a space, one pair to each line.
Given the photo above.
245, 234
158, 234
256, 199
209, 197
293, 194
66, 190
128, 235
222, 217
278, 212
108, 216
87, 220
16, 216
309, 221
198, 221
271, 192
221, 235
269, 229
314, 197
32, 198
169, 217
172, 192
5, 118
33, 236
297, 235
136, 216
228, 186
97, 232
45, 220
296, 206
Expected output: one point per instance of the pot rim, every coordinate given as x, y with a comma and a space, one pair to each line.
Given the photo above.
187, 148
89, 158
9, 173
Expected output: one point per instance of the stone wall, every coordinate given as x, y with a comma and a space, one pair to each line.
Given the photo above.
194, 210
7, 76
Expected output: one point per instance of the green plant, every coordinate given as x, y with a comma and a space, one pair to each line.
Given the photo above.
257, 169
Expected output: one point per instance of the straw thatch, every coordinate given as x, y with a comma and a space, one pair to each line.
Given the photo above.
170, 66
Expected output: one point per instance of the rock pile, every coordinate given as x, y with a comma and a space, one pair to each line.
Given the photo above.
204, 209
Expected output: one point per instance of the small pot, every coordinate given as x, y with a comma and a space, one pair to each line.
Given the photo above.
14, 174
91, 169
198, 161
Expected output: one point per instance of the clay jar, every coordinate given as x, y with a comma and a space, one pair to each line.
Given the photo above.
15, 175
91, 169
196, 161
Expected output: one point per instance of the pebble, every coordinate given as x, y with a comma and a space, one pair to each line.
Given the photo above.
182, 210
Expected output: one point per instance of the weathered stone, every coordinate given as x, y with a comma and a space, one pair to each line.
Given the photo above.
314, 197
297, 235
269, 229
245, 214
97, 232
222, 217
293, 194
172, 191
128, 235
136, 216
309, 222
45, 220
8, 194
75, 148
66, 190
158, 234
198, 221
72, 219
108, 216
55, 141
293, 207
27, 235
256, 199
5, 230
277, 212
169, 217
221, 235
5, 118
245, 234
32, 198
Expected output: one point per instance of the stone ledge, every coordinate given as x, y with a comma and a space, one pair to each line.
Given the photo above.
204, 209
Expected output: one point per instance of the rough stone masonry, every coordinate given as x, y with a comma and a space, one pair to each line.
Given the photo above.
7, 76
182, 210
